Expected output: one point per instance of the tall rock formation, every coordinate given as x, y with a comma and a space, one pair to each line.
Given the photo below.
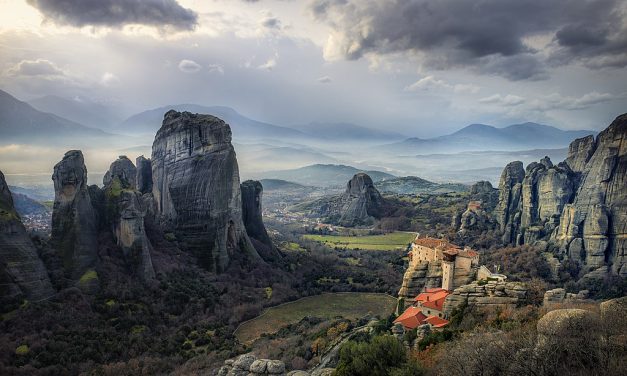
360, 204
252, 192
362, 201
74, 220
196, 188
595, 220
580, 204
125, 214
124, 170
22, 273
507, 210
143, 180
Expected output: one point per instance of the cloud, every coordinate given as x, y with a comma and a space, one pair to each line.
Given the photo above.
428, 83
117, 13
491, 36
325, 80
109, 79
189, 66
38, 67
268, 65
507, 100
271, 22
550, 102
217, 68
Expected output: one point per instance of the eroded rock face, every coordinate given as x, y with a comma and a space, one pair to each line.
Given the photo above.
74, 220
363, 202
143, 179
417, 277
490, 295
22, 273
481, 187
124, 170
507, 211
196, 188
580, 204
125, 216
252, 192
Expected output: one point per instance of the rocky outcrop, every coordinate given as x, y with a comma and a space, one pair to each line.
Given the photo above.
22, 273
488, 294
126, 211
249, 365
123, 169
580, 204
143, 180
196, 188
252, 192
598, 213
560, 296
507, 211
74, 220
360, 204
417, 277
481, 188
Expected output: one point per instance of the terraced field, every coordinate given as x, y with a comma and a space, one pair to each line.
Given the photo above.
350, 305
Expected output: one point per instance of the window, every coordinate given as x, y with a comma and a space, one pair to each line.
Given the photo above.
439, 314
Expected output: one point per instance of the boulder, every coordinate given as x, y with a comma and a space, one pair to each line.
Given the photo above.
22, 273
74, 220
196, 188
275, 367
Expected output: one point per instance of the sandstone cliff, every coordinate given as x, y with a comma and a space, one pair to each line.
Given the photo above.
22, 273
196, 188
74, 220
252, 192
580, 204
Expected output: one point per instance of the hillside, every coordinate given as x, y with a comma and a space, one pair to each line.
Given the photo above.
242, 126
21, 123
81, 111
414, 184
323, 175
278, 184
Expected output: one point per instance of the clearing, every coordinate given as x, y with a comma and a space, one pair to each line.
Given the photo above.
393, 241
350, 305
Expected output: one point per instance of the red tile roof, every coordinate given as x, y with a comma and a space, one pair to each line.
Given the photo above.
435, 321
411, 318
433, 299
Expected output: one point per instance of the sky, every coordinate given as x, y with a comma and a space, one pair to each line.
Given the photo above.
419, 67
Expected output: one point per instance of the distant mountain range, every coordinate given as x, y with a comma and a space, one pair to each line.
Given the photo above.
278, 184
242, 127
347, 131
21, 123
323, 175
476, 137
81, 111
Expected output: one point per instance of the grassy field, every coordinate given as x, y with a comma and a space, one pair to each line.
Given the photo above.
352, 305
387, 242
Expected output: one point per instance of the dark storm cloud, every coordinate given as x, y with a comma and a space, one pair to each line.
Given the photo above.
116, 13
465, 33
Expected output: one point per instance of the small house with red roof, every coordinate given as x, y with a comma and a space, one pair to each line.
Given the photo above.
431, 301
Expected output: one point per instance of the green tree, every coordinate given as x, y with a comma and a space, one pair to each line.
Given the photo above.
382, 356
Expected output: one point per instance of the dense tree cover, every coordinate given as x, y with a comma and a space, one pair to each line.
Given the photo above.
378, 356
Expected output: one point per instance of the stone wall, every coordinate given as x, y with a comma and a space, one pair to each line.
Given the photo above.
489, 294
